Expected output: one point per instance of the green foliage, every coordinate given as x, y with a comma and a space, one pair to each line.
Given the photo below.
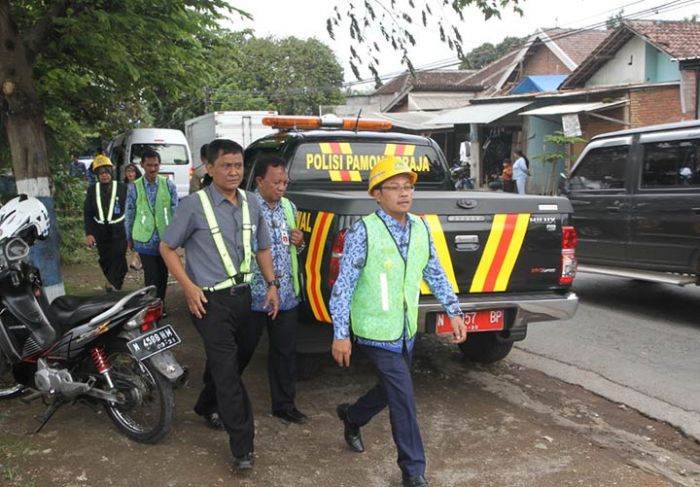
563, 143
486, 53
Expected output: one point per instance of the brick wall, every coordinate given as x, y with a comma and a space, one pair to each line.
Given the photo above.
544, 62
656, 104
689, 92
592, 126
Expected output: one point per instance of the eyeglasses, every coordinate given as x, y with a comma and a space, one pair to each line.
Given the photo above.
405, 188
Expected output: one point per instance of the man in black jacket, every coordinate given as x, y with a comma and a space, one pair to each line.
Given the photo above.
105, 204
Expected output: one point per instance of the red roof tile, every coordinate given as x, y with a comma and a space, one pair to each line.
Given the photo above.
681, 40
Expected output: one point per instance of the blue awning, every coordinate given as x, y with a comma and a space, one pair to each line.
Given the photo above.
531, 84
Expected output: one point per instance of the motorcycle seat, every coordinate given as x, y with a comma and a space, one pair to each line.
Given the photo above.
70, 311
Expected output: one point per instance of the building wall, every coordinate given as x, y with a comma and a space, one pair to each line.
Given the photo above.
592, 126
656, 104
543, 177
690, 85
659, 66
543, 62
626, 67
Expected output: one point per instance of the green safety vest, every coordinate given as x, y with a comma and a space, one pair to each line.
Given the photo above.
389, 287
148, 218
292, 224
230, 269
110, 212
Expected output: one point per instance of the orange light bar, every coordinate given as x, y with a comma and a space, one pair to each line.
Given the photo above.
309, 123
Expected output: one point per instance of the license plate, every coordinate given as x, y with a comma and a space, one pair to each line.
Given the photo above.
153, 342
482, 320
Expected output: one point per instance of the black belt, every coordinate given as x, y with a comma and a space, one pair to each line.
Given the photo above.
236, 290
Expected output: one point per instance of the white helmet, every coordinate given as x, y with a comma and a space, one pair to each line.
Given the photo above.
22, 213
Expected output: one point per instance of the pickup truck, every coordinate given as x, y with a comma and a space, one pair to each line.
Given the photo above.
636, 199
510, 258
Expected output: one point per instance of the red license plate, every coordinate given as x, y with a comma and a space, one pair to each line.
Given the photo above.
482, 320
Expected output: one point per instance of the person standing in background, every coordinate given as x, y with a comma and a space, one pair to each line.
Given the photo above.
131, 174
521, 170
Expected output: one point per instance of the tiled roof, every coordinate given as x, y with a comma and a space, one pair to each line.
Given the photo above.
577, 45
438, 80
680, 40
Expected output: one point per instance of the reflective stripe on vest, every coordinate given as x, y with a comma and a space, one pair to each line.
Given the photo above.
110, 212
292, 224
221, 245
387, 292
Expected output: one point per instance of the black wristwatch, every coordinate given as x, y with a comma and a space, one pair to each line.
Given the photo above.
275, 282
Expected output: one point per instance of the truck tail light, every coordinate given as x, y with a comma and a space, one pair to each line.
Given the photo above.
336, 256
568, 255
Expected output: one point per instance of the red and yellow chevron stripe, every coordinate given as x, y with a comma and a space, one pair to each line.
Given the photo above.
339, 148
314, 259
399, 150
501, 252
443, 252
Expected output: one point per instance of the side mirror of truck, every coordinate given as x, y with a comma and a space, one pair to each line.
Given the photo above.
563, 183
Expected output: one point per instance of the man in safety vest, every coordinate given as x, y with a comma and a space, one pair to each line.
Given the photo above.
150, 203
104, 222
271, 181
221, 228
386, 255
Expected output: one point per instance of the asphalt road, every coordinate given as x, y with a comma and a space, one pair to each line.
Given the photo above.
633, 342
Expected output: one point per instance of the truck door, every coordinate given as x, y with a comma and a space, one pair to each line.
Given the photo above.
599, 192
665, 223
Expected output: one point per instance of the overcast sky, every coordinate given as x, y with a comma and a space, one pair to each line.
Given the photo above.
307, 18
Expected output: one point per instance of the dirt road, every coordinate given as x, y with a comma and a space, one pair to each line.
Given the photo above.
501, 425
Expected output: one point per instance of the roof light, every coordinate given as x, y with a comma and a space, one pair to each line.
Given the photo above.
310, 123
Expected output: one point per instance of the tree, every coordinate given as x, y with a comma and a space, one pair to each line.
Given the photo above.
486, 53
93, 55
373, 23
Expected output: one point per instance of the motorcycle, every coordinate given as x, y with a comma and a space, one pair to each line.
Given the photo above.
107, 351
461, 176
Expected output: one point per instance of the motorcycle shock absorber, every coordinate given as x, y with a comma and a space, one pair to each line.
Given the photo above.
99, 358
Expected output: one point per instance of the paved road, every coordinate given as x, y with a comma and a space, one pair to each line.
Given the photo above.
633, 342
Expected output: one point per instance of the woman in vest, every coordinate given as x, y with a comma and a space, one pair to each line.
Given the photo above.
104, 222
386, 256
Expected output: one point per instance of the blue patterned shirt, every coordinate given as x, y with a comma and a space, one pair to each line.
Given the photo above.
281, 260
351, 265
150, 247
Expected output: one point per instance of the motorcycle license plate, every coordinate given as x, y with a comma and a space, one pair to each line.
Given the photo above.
482, 320
153, 342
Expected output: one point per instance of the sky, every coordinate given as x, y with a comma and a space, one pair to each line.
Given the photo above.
307, 18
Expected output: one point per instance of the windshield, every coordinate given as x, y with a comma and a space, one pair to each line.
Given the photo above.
170, 154
351, 161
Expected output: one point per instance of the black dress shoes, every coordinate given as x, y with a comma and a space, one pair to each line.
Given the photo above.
352, 432
294, 416
213, 420
418, 481
244, 462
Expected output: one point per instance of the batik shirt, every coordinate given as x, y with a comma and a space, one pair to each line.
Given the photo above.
152, 246
351, 264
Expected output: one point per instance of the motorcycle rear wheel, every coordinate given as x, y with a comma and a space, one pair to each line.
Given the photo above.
147, 414
8, 386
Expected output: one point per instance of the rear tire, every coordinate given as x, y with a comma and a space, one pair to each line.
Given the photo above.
147, 414
485, 347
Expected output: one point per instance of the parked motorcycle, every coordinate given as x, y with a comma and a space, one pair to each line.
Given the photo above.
461, 176
107, 350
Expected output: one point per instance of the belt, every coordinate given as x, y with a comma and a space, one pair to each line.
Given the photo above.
236, 290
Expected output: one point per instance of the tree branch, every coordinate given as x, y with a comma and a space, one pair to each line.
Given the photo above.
37, 36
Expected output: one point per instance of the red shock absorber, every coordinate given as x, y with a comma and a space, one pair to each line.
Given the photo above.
100, 359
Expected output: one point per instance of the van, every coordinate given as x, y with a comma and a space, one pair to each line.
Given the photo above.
175, 155
636, 199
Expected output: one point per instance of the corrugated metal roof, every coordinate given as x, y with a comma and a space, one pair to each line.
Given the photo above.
574, 108
481, 113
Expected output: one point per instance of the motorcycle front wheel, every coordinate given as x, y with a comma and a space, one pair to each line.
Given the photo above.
146, 412
8, 386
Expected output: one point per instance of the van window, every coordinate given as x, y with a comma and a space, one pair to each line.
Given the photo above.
601, 168
170, 154
352, 161
673, 163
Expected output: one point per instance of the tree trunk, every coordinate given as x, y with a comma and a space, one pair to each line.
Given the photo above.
22, 116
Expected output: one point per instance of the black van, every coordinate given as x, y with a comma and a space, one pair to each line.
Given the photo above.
636, 199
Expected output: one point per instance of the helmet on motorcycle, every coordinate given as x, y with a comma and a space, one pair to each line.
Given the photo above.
388, 167
24, 213
101, 160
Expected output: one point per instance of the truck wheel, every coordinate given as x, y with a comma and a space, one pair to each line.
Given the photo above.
485, 347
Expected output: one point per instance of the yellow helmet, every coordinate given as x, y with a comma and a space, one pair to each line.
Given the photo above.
100, 161
387, 168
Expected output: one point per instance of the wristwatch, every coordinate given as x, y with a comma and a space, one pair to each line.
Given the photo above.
275, 282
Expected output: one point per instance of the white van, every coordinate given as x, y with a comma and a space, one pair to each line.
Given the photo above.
175, 155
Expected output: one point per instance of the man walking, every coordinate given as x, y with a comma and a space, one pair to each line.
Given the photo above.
150, 203
271, 181
220, 228
386, 255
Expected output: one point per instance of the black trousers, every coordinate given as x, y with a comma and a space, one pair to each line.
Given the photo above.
225, 330
281, 363
155, 273
112, 259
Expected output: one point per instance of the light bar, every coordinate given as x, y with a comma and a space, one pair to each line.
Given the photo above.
310, 123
